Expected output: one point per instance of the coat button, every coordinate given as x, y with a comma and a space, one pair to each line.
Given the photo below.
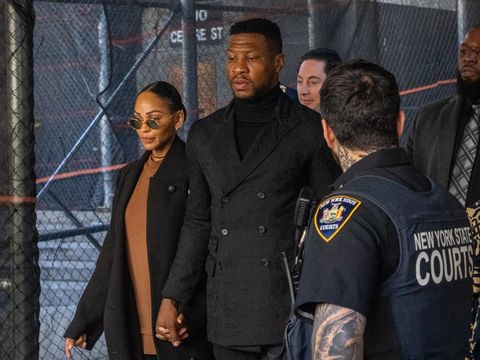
261, 195
172, 188
224, 232
262, 229
225, 199
265, 262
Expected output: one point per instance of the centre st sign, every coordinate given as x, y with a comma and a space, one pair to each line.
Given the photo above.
209, 28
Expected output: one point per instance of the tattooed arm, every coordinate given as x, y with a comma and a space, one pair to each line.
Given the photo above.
337, 333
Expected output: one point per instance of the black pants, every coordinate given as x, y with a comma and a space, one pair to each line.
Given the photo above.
267, 352
149, 357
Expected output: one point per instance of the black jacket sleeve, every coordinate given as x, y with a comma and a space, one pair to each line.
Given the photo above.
189, 263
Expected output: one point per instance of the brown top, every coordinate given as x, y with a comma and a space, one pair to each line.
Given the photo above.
136, 232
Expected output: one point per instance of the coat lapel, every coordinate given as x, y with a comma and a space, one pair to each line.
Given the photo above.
448, 122
223, 150
171, 169
266, 141
125, 189
224, 134
127, 185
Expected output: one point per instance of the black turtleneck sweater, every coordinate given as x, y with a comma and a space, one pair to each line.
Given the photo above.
251, 115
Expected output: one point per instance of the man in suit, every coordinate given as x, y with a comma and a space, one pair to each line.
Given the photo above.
436, 135
314, 66
247, 164
444, 138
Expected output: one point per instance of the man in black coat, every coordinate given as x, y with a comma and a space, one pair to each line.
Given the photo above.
247, 164
444, 142
435, 136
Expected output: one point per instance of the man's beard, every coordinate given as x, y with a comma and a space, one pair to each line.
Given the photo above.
469, 89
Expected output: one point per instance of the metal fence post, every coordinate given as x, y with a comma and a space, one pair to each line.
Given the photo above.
106, 133
5, 282
189, 53
313, 24
24, 295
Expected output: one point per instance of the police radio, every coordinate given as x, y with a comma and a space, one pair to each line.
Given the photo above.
302, 212
303, 206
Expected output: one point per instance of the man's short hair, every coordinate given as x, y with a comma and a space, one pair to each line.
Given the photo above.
360, 102
262, 26
329, 56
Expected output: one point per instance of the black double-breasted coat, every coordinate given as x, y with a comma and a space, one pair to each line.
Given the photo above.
240, 217
108, 302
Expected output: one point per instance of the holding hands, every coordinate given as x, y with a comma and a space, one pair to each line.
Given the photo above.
170, 325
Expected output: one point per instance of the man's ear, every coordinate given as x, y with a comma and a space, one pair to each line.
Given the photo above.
400, 123
328, 134
279, 62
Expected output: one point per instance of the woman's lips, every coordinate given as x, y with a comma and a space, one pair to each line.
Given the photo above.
148, 140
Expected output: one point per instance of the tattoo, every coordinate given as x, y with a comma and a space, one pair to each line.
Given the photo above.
348, 157
345, 159
337, 333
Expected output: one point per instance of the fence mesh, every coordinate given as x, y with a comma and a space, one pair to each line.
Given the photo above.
90, 57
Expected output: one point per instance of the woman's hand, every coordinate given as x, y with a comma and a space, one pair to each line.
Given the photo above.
170, 325
70, 343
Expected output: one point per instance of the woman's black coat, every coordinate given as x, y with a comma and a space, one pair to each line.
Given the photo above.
108, 303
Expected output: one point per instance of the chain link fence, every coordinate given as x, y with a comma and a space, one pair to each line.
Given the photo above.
90, 57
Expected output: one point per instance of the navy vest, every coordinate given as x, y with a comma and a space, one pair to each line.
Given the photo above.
423, 310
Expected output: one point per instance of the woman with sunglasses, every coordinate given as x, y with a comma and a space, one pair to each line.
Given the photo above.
123, 295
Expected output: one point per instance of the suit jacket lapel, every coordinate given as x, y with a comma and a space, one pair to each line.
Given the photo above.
224, 133
448, 123
265, 142
223, 144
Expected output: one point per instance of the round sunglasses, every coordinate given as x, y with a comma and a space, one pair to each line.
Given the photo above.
151, 123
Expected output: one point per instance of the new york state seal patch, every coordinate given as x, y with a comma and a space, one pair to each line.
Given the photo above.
333, 213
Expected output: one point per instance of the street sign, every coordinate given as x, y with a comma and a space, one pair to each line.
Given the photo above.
209, 28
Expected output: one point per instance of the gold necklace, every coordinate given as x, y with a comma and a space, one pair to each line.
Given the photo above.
157, 157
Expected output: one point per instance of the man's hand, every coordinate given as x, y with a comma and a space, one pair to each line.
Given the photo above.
71, 343
170, 324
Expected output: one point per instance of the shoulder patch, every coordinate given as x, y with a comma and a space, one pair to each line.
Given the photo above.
333, 213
